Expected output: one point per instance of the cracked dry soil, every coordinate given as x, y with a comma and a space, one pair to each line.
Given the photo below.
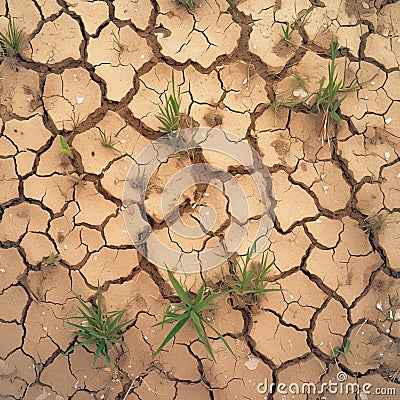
90, 65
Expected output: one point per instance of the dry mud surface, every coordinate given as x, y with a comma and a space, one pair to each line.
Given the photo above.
90, 65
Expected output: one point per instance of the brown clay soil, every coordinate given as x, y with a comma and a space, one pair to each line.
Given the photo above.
105, 64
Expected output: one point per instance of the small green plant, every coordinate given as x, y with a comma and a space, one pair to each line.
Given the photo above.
78, 179
117, 44
247, 280
327, 102
181, 144
52, 259
169, 110
101, 329
65, 149
287, 29
191, 310
375, 222
38, 365
75, 120
11, 39
187, 3
337, 350
107, 141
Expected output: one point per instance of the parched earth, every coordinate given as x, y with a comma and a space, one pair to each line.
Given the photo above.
87, 66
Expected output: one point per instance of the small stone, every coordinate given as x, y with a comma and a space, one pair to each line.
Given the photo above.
387, 155
252, 364
365, 5
79, 100
388, 121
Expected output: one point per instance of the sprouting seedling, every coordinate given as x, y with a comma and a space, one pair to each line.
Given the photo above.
337, 350
169, 110
38, 365
52, 259
75, 120
375, 222
187, 3
104, 330
117, 44
247, 279
327, 102
65, 149
287, 29
107, 141
78, 179
11, 39
191, 310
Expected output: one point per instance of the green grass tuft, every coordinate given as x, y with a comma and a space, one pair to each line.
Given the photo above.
11, 38
327, 102
104, 330
170, 110
191, 310
247, 280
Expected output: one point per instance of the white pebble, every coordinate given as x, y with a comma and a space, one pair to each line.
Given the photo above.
388, 121
387, 155
2, 270
79, 100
